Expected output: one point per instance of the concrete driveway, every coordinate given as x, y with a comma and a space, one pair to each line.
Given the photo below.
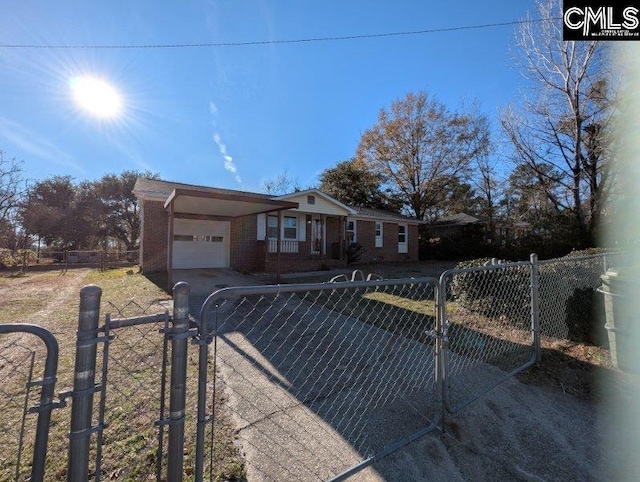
205, 281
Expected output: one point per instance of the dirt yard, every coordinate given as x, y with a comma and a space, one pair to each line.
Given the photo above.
51, 300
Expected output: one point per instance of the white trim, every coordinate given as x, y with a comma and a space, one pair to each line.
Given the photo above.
403, 247
319, 193
262, 227
354, 230
379, 237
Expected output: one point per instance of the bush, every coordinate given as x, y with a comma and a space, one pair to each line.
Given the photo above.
20, 257
585, 317
567, 301
500, 291
354, 252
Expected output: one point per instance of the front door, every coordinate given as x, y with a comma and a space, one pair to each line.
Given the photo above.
317, 237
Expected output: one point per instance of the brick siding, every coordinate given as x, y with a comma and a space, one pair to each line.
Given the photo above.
154, 237
244, 252
366, 236
248, 254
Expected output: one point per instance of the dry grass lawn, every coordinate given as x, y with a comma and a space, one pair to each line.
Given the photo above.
51, 300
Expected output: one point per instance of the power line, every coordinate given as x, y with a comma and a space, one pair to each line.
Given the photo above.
278, 42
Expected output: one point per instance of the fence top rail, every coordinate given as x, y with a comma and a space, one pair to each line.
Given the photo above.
237, 291
489, 267
116, 323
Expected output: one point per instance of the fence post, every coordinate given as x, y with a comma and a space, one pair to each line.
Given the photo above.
84, 384
535, 306
177, 398
440, 348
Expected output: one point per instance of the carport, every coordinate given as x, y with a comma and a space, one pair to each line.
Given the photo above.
199, 229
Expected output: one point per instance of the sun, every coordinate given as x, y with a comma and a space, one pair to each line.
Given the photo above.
96, 96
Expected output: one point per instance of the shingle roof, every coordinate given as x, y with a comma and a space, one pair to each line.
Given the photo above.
382, 214
460, 219
163, 189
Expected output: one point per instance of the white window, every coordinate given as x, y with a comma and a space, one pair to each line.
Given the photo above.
379, 234
311, 199
290, 230
403, 245
272, 227
351, 232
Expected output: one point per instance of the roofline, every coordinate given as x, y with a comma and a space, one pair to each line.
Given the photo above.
389, 218
278, 205
321, 194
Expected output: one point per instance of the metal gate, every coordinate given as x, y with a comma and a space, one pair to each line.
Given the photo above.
21, 360
137, 403
321, 380
489, 327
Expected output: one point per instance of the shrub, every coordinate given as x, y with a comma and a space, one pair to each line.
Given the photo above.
20, 257
566, 305
354, 252
585, 317
497, 291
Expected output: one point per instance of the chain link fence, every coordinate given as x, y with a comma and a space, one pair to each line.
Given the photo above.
133, 392
310, 373
27, 259
289, 382
570, 306
488, 332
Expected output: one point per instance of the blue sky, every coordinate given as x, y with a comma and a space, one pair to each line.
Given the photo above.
236, 116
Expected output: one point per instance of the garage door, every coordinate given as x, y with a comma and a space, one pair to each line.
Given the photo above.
200, 244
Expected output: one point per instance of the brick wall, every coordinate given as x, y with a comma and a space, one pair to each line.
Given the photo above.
366, 236
244, 250
154, 237
414, 242
289, 264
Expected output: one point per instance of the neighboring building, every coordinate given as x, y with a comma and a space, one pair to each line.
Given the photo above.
186, 226
459, 225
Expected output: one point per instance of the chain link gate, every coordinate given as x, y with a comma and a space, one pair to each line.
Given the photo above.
133, 411
21, 360
489, 328
321, 380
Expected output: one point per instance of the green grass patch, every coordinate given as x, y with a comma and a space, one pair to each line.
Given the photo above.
425, 307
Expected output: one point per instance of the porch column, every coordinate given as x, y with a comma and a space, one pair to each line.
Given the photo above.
323, 222
278, 238
170, 247
342, 235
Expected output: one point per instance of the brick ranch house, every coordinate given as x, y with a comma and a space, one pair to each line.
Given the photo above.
186, 226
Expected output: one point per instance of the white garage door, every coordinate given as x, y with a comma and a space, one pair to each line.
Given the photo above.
200, 244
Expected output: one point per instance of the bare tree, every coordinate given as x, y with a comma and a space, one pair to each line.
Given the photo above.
487, 188
281, 184
561, 130
13, 187
422, 149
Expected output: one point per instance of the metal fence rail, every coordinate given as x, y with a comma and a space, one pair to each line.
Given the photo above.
309, 372
28, 365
